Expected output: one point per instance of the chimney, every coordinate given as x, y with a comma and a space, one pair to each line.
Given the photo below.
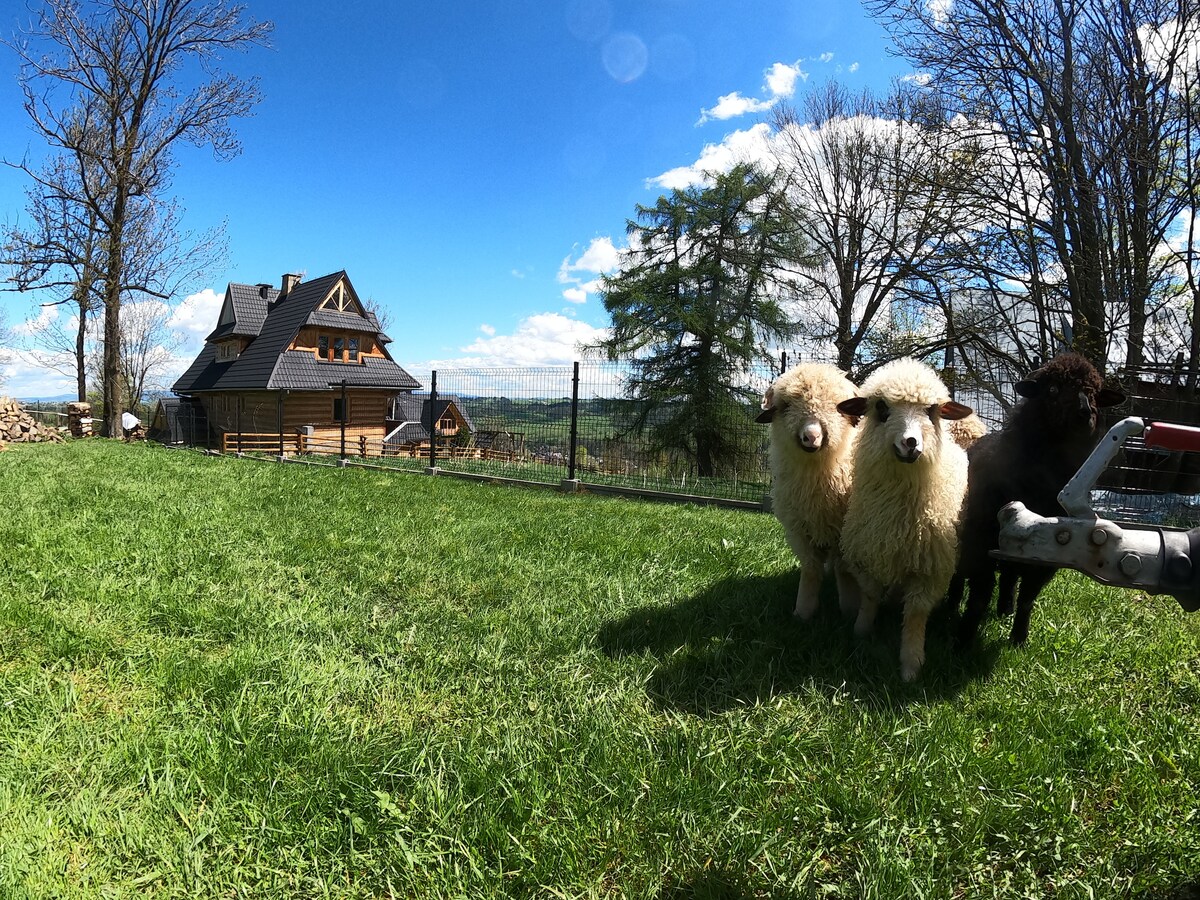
289, 282
263, 290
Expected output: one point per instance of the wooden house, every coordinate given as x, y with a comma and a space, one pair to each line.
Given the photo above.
305, 361
414, 418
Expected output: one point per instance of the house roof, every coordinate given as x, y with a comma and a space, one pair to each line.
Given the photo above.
416, 408
272, 322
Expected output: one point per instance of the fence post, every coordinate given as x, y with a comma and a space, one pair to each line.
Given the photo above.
782, 362
279, 422
571, 483
345, 413
574, 445
240, 398
433, 422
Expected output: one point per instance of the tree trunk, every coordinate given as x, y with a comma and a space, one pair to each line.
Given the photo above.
81, 356
113, 401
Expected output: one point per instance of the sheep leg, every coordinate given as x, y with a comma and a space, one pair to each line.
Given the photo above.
1032, 582
979, 596
808, 595
849, 594
955, 594
1008, 591
868, 605
912, 637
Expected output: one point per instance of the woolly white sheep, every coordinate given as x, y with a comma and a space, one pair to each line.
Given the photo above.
966, 431
811, 450
900, 530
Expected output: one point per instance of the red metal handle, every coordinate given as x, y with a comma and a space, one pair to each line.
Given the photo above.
1165, 436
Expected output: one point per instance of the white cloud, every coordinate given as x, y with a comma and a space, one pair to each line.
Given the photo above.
543, 339
779, 82
487, 329
825, 57
599, 258
194, 318
27, 375
750, 145
853, 67
46, 315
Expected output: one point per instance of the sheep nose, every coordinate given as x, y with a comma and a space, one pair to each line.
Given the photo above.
910, 442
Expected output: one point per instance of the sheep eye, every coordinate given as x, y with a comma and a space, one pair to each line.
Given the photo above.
1054, 390
881, 410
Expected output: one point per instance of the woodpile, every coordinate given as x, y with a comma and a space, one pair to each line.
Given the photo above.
17, 426
79, 418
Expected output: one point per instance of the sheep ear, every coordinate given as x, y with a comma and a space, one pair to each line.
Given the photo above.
952, 410
1027, 388
1109, 397
855, 407
768, 407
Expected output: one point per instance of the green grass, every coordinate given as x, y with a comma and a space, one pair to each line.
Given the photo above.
232, 678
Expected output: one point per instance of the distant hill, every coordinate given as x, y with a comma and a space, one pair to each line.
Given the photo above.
60, 398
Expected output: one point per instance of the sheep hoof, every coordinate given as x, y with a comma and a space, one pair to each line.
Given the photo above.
805, 608
910, 671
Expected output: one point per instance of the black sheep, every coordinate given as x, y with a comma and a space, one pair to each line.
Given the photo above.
1047, 436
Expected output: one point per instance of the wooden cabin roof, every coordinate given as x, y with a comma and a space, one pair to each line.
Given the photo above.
267, 363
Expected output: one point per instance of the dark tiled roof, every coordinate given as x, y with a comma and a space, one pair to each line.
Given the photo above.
250, 303
267, 364
300, 370
416, 408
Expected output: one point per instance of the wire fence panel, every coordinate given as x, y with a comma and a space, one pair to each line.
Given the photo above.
582, 425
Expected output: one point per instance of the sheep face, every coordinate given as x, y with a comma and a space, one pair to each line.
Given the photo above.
910, 430
1068, 393
802, 408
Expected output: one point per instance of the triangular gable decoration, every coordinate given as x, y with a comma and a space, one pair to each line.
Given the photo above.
343, 299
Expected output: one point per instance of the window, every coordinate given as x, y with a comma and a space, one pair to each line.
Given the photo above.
227, 351
339, 348
353, 356
339, 410
323, 347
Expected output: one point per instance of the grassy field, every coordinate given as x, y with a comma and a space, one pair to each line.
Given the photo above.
230, 678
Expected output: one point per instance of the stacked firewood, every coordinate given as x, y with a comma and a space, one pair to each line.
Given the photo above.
17, 425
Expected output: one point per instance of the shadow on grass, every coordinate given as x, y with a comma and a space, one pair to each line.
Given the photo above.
715, 883
736, 644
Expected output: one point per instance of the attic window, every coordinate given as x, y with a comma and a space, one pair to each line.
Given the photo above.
352, 352
227, 350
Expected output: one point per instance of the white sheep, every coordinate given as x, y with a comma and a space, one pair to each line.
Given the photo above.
900, 530
811, 450
966, 431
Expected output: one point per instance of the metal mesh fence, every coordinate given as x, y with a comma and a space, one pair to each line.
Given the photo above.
548, 425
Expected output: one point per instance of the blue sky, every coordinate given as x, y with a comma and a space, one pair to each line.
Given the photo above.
472, 166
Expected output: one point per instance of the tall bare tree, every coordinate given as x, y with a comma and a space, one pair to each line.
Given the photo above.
870, 185
113, 87
1085, 96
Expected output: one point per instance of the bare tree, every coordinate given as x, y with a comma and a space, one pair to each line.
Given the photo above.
869, 182
147, 348
113, 86
1084, 95
5, 341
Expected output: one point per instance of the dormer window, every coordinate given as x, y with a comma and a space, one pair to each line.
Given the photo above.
337, 348
227, 351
